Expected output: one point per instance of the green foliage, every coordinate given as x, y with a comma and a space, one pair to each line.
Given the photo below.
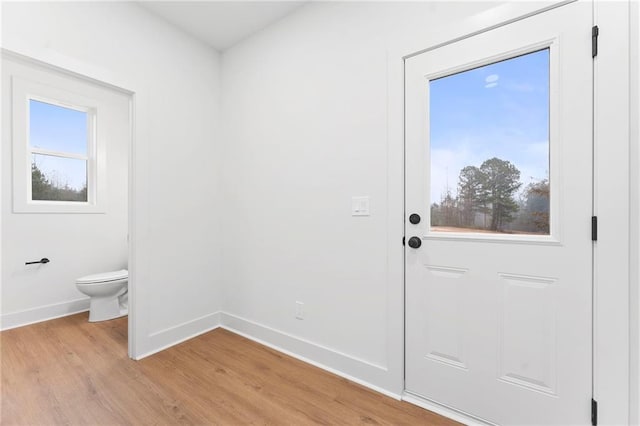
499, 182
470, 194
449, 209
43, 189
537, 204
486, 199
436, 219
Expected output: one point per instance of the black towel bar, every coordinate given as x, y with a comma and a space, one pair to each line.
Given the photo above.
43, 260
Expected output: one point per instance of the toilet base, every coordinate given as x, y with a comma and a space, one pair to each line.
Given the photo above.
106, 308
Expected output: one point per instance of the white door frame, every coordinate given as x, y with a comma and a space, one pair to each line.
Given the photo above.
54, 61
634, 118
612, 381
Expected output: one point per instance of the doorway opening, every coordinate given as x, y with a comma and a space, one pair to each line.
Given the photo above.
66, 166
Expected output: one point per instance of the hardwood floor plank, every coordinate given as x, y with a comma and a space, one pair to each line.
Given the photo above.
71, 372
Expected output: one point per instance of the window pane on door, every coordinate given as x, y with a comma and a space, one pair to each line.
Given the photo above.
489, 144
58, 178
56, 128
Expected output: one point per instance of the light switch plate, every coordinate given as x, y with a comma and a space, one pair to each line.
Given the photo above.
360, 206
299, 310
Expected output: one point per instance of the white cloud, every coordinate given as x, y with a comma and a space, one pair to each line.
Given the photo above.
491, 80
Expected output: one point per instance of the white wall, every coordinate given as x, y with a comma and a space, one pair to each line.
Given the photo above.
305, 105
176, 244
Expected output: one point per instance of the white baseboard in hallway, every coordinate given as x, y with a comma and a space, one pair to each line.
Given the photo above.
163, 339
357, 370
43, 313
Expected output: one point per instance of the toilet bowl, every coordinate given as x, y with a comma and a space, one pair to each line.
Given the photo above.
108, 293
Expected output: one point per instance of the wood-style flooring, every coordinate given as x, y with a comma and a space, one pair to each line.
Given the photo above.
72, 372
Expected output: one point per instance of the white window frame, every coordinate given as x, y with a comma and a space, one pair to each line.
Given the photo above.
23, 91
554, 237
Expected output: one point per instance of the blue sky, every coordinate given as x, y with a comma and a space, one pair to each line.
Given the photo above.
59, 129
499, 110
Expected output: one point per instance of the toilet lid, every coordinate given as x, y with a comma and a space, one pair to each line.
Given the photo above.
104, 277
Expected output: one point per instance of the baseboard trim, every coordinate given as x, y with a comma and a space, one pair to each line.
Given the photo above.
164, 339
319, 356
445, 411
43, 313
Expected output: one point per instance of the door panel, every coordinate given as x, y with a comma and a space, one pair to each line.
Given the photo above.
527, 334
499, 163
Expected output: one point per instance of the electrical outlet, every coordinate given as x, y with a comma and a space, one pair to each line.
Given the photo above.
299, 310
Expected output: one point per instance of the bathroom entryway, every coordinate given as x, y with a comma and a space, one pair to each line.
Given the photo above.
65, 169
498, 226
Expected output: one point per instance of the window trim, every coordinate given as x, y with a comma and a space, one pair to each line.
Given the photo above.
22, 92
555, 236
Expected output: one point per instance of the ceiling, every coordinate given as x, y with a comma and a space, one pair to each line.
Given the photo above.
221, 24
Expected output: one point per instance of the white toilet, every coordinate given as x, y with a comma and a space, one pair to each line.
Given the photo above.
108, 292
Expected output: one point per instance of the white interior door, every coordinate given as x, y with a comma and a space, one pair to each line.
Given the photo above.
499, 171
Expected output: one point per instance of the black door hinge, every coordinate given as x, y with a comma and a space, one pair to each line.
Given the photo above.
594, 228
403, 241
594, 412
594, 41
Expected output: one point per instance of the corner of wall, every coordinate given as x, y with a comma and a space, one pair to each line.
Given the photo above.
352, 368
171, 336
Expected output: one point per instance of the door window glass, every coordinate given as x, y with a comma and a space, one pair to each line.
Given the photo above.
489, 146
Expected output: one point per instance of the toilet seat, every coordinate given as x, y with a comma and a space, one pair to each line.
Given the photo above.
104, 277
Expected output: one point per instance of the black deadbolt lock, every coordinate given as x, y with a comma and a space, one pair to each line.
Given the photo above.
415, 242
414, 218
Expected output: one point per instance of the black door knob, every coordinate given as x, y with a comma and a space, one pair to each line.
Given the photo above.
415, 242
414, 218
